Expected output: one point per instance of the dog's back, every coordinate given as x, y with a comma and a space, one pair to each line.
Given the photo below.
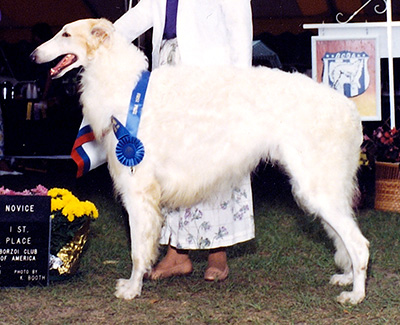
221, 121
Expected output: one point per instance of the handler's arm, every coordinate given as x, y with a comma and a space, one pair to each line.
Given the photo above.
238, 20
136, 21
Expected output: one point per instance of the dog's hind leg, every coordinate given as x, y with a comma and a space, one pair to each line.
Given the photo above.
352, 254
327, 189
331, 202
145, 223
342, 259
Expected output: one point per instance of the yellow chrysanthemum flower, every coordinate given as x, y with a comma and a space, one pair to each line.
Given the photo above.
58, 192
57, 204
70, 206
70, 217
91, 209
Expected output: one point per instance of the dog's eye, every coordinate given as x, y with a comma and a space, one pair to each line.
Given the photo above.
65, 34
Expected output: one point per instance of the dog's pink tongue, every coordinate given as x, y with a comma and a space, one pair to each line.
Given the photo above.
65, 61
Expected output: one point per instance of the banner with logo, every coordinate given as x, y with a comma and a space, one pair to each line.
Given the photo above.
352, 67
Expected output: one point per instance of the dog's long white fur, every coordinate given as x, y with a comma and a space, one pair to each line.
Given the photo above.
204, 129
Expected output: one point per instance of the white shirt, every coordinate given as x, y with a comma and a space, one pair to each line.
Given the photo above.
209, 32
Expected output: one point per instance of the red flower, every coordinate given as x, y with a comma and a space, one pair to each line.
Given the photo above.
383, 145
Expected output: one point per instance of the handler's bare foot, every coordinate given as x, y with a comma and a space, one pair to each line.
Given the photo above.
176, 262
217, 269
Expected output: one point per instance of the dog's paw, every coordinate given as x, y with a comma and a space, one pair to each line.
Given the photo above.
121, 283
342, 279
126, 289
350, 297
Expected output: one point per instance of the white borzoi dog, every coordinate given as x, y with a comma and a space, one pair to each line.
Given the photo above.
205, 129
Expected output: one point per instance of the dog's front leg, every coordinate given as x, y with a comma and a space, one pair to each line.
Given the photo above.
145, 224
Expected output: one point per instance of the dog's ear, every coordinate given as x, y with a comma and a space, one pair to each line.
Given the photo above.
100, 34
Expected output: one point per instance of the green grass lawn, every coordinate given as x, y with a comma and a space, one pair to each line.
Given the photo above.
282, 276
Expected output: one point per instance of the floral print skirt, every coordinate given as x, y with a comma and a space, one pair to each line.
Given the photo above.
224, 220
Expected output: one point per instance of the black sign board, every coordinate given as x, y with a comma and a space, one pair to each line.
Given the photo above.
24, 240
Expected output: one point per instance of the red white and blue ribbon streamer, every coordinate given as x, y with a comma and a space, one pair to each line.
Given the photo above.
89, 154
86, 151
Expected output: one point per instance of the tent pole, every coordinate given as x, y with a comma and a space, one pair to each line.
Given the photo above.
390, 63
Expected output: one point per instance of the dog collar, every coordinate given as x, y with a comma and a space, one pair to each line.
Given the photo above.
130, 150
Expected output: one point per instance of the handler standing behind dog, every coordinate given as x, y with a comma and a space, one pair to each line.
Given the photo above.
199, 32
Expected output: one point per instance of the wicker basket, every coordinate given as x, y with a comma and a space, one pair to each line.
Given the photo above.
387, 186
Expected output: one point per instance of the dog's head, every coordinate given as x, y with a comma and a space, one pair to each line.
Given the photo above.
77, 43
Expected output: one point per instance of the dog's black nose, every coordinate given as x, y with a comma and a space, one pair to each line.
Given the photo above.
32, 56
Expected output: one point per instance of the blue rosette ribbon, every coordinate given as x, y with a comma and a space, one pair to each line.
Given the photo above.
129, 150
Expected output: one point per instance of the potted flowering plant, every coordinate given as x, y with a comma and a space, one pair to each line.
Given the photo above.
70, 220
383, 150
383, 145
